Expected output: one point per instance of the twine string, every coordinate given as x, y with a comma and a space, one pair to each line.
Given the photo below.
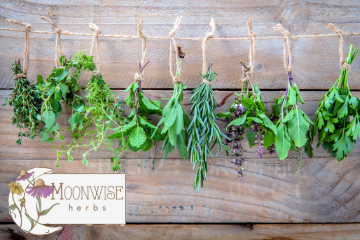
341, 54
97, 31
175, 78
139, 76
287, 64
26, 46
58, 43
208, 35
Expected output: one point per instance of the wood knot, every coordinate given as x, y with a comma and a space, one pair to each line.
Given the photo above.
138, 77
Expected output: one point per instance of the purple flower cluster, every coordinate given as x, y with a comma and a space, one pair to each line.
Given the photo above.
258, 138
236, 135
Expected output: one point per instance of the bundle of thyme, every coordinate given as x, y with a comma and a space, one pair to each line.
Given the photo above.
100, 116
203, 131
248, 114
26, 101
337, 118
60, 87
139, 133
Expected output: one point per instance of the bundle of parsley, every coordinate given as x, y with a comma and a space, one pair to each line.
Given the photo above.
139, 133
248, 114
96, 118
26, 101
292, 124
60, 87
337, 118
203, 132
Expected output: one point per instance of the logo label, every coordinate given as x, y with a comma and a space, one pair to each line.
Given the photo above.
38, 197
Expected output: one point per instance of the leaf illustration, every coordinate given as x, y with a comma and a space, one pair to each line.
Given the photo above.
46, 211
12, 207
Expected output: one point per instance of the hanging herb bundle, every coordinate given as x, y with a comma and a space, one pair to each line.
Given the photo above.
337, 119
26, 101
96, 118
248, 114
203, 131
292, 124
60, 87
139, 133
175, 122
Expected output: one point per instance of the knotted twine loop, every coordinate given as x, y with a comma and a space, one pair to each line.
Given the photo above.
139, 76
176, 79
208, 35
57, 31
341, 55
97, 31
26, 47
287, 64
249, 72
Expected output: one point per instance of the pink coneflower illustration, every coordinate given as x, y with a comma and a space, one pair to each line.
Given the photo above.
24, 175
40, 189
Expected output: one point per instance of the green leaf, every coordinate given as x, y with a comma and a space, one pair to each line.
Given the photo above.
60, 74
343, 147
31, 221
79, 106
292, 96
343, 111
255, 119
39, 79
137, 137
354, 101
237, 122
76, 117
179, 119
248, 102
282, 144
181, 144
250, 137
50, 140
257, 91
44, 136
298, 127
49, 118
46, 211
226, 115
149, 107
11, 207
269, 138
64, 90
146, 146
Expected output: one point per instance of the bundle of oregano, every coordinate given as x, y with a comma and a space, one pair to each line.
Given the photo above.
337, 118
248, 114
60, 87
95, 119
292, 124
139, 133
203, 132
26, 101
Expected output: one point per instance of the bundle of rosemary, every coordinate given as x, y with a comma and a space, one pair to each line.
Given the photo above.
337, 118
26, 101
203, 132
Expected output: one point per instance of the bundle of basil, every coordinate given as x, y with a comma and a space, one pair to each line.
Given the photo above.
60, 87
95, 119
337, 118
139, 133
248, 113
26, 101
203, 130
292, 124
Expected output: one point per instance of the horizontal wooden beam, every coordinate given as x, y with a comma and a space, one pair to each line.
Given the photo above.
194, 231
158, 191
316, 63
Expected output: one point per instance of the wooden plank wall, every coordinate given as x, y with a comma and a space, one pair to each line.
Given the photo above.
324, 191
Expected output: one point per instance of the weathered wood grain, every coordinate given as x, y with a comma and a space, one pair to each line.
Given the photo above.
160, 191
316, 63
195, 231
32, 149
